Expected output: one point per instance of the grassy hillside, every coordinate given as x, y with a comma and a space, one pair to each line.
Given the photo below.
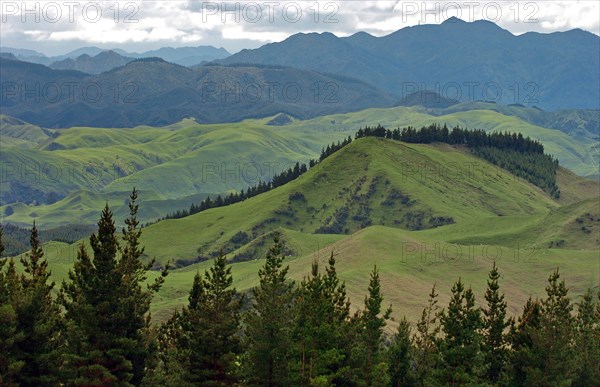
370, 182
22, 133
45, 169
575, 153
494, 217
409, 263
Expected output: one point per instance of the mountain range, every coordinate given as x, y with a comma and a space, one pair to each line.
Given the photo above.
460, 60
185, 56
104, 61
152, 91
456, 61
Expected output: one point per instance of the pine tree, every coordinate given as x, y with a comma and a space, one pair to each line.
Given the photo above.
268, 324
588, 342
400, 357
555, 339
461, 346
106, 307
10, 365
212, 326
29, 320
37, 315
340, 340
97, 327
426, 338
322, 313
522, 357
372, 323
310, 306
494, 324
134, 300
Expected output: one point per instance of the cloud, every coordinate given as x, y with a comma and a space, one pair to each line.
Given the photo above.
140, 25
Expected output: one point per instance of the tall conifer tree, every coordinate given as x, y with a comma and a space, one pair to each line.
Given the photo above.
426, 338
268, 324
211, 328
494, 324
461, 346
107, 308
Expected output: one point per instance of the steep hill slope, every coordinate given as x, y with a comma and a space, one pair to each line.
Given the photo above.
496, 217
370, 182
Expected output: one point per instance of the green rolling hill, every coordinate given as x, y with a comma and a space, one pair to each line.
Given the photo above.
419, 228
44, 170
371, 182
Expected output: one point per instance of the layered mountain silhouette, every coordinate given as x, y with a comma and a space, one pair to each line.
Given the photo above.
307, 75
185, 56
104, 61
154, 92
459, 60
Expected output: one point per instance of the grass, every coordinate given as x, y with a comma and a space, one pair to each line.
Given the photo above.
184, 159
345, 180
409, 263
496, 218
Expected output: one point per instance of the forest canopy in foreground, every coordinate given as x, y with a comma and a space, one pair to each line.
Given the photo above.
98, 330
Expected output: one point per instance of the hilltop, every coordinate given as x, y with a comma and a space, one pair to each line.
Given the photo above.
104, 61
369, 182
402, 210
175, 165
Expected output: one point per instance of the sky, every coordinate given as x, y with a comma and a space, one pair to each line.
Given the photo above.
57, 27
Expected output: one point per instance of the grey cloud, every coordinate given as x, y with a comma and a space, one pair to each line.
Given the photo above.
377, 19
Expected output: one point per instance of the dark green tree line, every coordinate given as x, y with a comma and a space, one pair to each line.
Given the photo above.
522, 156
97, 331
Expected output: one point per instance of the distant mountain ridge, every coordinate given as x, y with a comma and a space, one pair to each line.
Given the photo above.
460, 60
185, 56
151, 91
104, 61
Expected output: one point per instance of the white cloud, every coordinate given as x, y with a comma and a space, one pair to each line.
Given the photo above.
149, 24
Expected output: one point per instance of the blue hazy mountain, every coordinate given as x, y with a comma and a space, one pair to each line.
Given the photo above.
459, 60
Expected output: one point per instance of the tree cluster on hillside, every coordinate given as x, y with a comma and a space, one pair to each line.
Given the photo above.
522, 156
278, 180
16, 239
334, 147
97, 331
